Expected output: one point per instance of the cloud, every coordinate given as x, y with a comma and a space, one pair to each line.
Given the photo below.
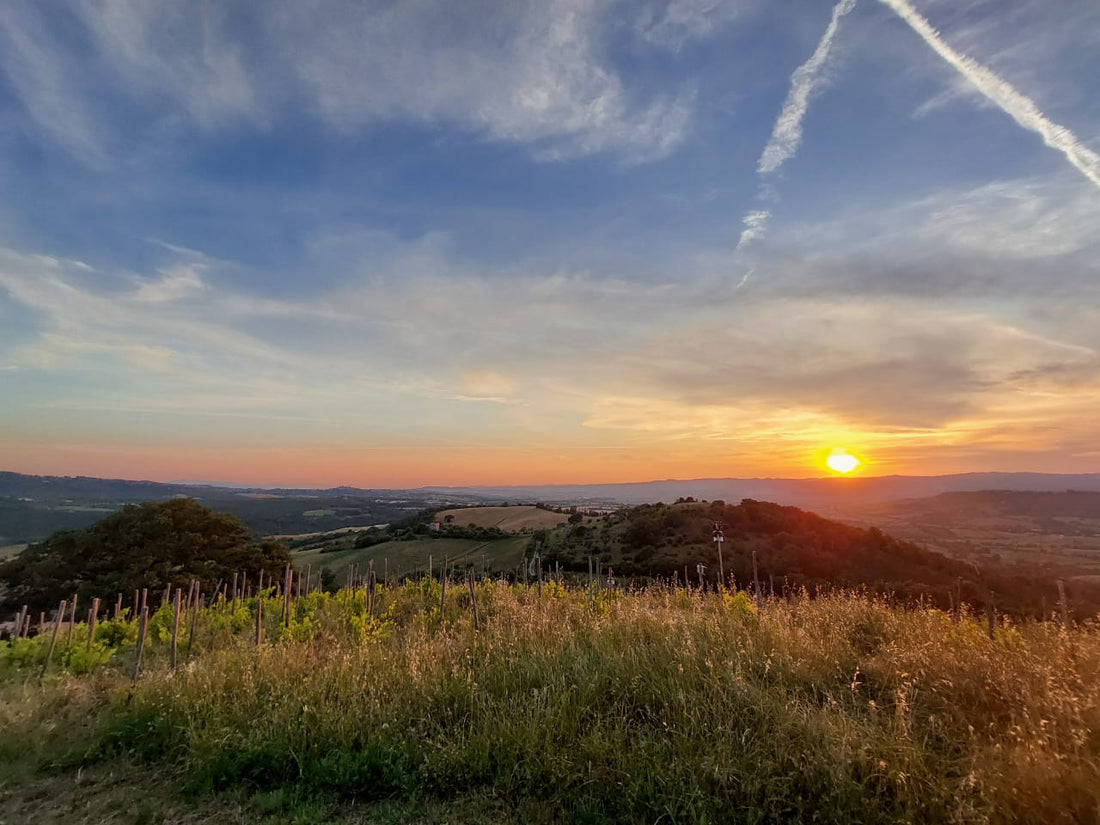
102, 75
674, 22
41, 74
1000, 92
787, 131
433, 349
1025, 219
537, 75
176, 48
875, 363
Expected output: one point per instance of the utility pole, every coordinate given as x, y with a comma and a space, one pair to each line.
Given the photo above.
718, 540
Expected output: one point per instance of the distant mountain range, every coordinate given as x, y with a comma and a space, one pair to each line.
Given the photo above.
839, 493
31, 507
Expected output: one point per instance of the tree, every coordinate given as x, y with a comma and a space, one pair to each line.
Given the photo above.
147, 545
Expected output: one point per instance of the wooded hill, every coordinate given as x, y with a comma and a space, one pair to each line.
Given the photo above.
795, 549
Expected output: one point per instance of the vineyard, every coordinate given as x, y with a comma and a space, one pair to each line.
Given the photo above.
548, 703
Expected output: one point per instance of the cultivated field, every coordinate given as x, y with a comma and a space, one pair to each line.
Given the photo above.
513, 519
9, 550
402, 558
571, 705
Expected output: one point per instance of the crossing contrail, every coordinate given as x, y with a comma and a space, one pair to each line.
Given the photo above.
998, 90
787, 132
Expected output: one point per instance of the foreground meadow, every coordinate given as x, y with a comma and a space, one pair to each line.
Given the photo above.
570, 706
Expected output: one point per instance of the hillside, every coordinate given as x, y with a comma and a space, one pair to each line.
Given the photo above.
1054, 532
797, 549
33, 507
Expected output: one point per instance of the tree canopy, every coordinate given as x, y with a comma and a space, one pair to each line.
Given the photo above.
148, 545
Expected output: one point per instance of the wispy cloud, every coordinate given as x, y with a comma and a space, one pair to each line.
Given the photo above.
787, 132
540, 75
1000, 92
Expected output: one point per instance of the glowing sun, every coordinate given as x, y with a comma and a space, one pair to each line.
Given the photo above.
842, 462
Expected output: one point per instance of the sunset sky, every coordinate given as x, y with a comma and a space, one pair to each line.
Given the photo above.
421, 243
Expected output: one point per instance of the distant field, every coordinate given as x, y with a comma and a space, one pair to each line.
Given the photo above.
10, 550
339, 531
513, 519
406, 557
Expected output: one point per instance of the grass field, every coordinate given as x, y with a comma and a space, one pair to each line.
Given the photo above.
408, 557
512, 519
656, 706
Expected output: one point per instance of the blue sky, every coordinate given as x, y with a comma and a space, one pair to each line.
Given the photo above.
422, 243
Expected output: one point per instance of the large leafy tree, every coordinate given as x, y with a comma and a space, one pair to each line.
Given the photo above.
147, 545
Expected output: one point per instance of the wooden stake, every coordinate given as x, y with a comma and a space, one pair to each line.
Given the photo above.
370, 589
756, 582
72, 622
176, 629
53, 639
136, 610
286, 596
92, 615
443, 590
20, 621
989, 613
259, 621
473, 599
540, 574
1062, 603
194, 619
118, 607
143, 623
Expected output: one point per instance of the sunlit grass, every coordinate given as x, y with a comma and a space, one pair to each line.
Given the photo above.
602, 707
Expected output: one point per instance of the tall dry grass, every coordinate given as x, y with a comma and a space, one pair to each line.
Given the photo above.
652, 706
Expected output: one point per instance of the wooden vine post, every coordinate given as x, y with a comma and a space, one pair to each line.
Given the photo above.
286, 596
197, 602
756, 582
53, 639
143, 624
72, 621
176, 628
443, 589
92, 616
473, 598
259, 621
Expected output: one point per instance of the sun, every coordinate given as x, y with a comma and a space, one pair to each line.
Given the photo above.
841, 461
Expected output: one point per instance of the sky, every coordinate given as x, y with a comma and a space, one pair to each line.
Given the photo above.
396, 244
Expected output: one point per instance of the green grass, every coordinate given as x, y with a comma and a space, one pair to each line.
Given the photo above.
408, 557
578, 707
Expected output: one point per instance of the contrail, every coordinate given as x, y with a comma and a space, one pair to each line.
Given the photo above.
1017, 106
755, 222
787, 132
